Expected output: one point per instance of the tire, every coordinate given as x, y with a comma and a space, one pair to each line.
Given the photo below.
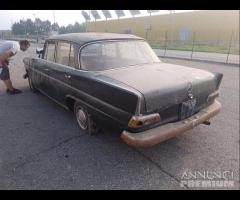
31, 85
84, 120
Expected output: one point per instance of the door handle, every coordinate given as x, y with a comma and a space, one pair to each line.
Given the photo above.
46, 69
67, 76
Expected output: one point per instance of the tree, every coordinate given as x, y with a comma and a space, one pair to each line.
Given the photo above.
55, 27
44, 27
76, 28
30, 27
18, 28
23, 27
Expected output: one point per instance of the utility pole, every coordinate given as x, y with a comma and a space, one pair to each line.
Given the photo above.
89, 13
106, 25
11, 25
54, 21
36, 25
230, 44
25, 29
172, 12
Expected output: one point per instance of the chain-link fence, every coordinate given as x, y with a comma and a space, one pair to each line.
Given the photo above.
30, 38
224, 48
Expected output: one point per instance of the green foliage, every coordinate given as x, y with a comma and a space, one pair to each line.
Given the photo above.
29, 27
39, 27
76, 28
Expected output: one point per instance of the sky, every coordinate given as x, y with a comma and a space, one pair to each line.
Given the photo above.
62, 17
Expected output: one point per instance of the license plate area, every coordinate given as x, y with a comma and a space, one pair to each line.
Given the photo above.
187, 109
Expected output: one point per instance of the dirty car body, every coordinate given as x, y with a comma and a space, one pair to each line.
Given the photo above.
117, 79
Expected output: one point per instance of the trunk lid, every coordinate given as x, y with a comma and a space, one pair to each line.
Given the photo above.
164, 85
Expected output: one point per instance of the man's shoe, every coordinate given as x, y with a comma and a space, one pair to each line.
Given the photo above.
14, 91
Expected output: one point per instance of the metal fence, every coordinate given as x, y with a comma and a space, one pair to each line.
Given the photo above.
192, 46
30, 38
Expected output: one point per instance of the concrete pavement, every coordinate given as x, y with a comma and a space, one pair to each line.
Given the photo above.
202, 56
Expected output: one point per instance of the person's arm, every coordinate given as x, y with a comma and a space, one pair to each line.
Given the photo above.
1, 61
7, 55
4, 58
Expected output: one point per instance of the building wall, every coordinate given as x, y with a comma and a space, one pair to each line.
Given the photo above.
209, 26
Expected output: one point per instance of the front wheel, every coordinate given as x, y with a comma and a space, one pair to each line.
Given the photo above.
84, 120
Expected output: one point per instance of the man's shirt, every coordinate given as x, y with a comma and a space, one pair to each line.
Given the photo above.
12, 46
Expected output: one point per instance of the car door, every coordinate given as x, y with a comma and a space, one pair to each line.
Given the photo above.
60, 72
42, 68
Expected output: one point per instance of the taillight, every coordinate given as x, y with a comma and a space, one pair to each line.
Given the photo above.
140, 121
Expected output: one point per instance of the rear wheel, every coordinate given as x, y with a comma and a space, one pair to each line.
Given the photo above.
84, 120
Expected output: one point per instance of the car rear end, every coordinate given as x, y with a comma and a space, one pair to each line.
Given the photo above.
174, 99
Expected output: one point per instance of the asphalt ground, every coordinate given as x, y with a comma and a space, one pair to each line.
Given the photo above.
41, 146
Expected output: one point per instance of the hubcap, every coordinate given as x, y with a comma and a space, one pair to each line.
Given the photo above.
81, 118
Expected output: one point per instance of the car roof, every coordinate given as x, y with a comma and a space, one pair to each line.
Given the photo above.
82, 38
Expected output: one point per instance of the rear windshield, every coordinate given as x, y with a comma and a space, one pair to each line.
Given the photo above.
116, 54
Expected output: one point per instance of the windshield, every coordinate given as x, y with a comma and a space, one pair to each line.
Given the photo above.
116, 54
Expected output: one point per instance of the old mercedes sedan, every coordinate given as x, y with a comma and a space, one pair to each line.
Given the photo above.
117, 80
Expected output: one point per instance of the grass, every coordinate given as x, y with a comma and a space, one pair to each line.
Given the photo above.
197, 47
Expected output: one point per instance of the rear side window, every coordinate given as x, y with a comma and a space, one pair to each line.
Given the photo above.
49, 51
63, 53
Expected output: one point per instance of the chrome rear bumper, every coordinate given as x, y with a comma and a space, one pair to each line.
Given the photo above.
159, 134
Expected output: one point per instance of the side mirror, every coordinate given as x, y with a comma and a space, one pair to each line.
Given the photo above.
39, 51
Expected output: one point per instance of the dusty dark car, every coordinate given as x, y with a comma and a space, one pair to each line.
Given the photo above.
116, 79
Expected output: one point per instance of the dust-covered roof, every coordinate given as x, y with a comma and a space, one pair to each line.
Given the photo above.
82, 38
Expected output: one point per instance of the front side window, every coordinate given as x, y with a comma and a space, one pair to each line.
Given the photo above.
116, 54
73, 55
49, 51
66, 54
63, 53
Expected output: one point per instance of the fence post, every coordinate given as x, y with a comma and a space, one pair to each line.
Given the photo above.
193, 43
230, 44
165, 44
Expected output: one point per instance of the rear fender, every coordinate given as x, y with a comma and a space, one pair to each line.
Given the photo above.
218, 79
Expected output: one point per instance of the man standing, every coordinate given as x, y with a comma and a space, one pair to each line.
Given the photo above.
7, 50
